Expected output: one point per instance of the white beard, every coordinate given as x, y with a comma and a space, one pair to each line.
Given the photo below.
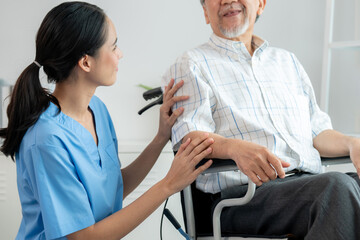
236, 31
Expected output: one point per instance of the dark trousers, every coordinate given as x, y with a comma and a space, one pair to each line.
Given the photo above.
315, 207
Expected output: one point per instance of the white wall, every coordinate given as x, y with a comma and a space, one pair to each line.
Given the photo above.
345, 69
151, 35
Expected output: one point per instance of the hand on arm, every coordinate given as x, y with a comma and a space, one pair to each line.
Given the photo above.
137, 170
167, 117
331, 143
181, 174
252, 159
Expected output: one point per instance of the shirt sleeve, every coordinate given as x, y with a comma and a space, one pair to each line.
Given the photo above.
63, 200
198, 109
320, 120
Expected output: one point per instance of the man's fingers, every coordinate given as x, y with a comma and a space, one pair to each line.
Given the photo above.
278, 165
285, 164
254, 178
357, 167
270, 172
264, 177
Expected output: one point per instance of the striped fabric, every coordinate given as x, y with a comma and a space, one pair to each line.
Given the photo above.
266, 99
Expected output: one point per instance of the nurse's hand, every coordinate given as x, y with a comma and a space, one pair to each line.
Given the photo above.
183, 171
167, 116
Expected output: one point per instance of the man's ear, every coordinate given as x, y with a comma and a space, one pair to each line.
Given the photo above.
206, 14
262, 4
85, 63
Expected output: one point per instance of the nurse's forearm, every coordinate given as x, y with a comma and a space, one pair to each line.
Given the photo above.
124, 221
135, 173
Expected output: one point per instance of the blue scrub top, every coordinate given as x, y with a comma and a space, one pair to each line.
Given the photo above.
66, 182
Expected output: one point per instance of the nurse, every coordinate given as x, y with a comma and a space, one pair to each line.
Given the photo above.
69, 177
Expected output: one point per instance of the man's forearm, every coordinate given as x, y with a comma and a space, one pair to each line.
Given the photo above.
220, 147
331, 143
254, 160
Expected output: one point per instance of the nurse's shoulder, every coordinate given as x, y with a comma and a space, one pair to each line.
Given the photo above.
48, 130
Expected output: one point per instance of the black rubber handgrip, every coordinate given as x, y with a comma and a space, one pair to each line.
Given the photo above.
155, 92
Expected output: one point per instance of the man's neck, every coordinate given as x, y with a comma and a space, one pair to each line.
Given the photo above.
247, 39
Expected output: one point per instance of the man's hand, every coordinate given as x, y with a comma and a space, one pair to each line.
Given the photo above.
354, 149
257, 162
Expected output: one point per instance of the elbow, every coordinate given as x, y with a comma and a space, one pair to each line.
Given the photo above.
192, 135
84, 234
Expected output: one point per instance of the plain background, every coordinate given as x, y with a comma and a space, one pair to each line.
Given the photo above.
151, 35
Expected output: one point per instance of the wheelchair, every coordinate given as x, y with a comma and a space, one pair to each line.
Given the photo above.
196, 203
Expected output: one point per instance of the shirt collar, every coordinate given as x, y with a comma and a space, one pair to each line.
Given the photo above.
237, 49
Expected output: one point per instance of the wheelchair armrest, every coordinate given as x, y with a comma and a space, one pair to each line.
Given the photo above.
223, 165
219, 165
335, 160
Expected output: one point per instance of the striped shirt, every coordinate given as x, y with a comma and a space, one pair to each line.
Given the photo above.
266, 99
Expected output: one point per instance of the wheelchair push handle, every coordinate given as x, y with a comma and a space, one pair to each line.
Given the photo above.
149, 94
152, 93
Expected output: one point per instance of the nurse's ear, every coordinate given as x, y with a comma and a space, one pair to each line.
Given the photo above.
85, 63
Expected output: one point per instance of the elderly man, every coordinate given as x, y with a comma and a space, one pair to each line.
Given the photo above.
258, 104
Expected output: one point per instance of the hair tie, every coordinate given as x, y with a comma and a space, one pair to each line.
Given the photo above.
37, 64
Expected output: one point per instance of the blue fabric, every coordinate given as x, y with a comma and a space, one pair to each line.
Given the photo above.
66, 182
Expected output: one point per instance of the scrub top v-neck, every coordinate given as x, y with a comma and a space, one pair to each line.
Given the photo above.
65, 181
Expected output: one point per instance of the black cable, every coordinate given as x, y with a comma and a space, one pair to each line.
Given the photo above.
162, 218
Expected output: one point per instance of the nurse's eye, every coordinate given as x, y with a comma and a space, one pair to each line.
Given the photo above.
115, 47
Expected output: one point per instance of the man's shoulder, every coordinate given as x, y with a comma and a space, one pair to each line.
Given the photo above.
187, 61
196, 54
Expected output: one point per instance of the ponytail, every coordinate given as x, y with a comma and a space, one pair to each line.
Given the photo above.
28, 100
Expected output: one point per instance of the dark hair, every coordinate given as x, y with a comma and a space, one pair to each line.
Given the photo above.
67, 33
